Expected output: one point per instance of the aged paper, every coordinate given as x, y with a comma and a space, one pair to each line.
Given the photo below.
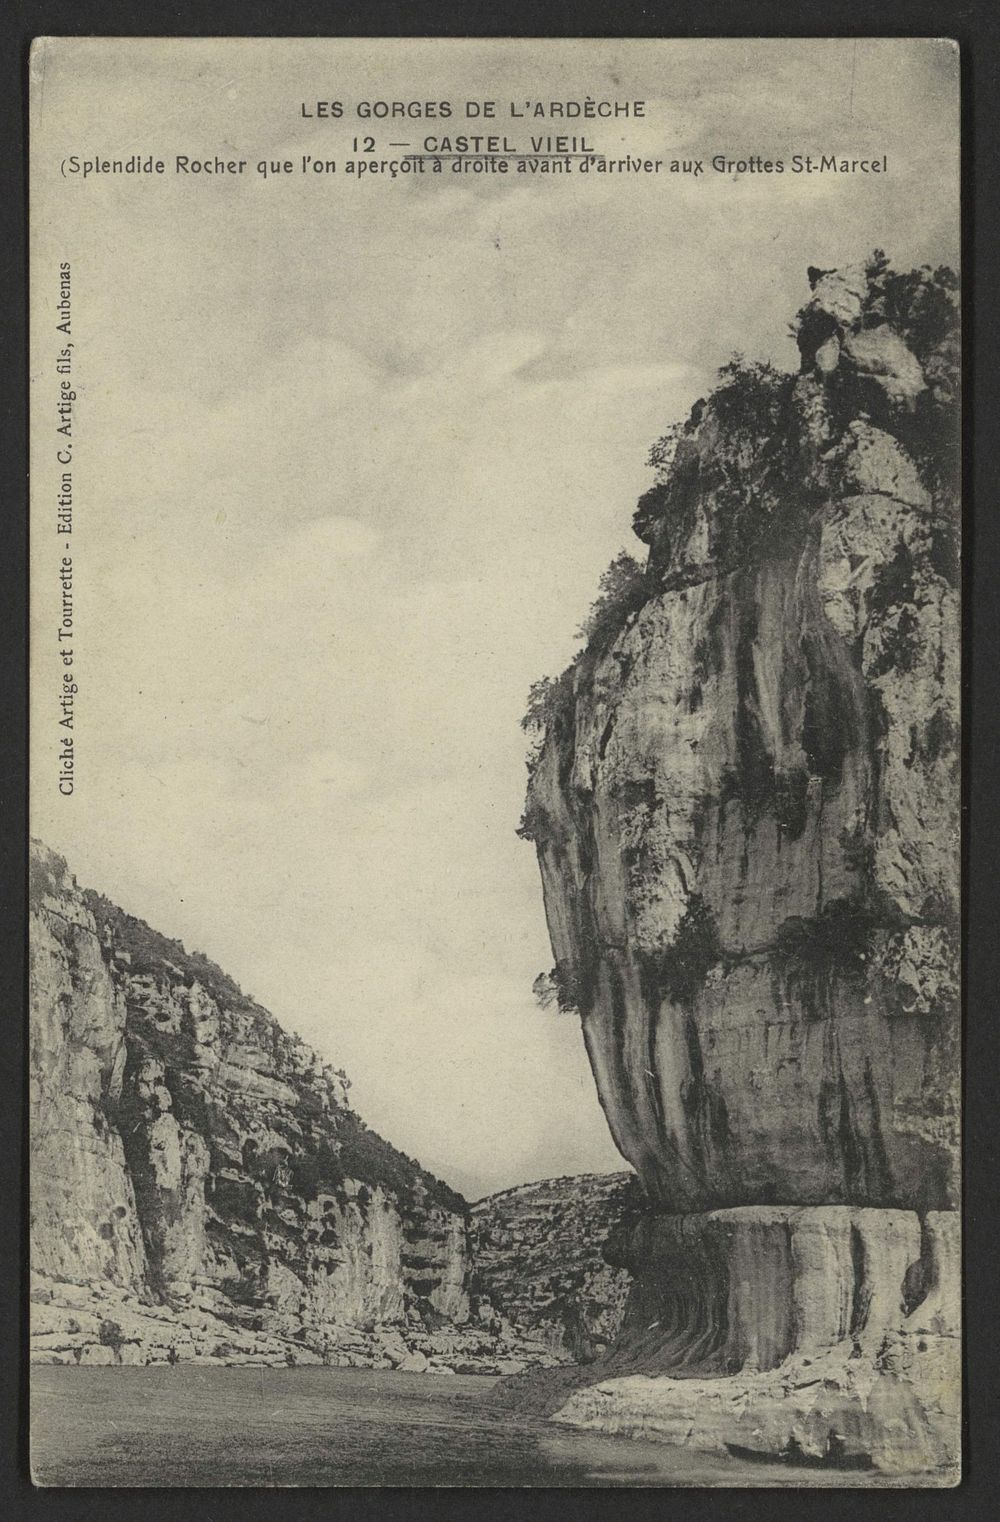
494, 762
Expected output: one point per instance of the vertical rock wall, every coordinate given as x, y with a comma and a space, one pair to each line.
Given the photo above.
199, 1180
746, 816
85, 1222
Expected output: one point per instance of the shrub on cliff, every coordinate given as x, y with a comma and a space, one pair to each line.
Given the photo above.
663, 451
752, 459
550, 701
112, 1336
549, 697
46, 871
750, 402
925, 306
678, 970
622, 590
921, 304
559, 987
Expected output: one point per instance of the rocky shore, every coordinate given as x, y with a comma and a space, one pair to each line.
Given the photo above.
100, 1324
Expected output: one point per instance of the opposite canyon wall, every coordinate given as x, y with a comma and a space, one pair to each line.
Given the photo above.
539, 1260
200, 1186
745, 804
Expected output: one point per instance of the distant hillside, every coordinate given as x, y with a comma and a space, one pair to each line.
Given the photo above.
539, 1260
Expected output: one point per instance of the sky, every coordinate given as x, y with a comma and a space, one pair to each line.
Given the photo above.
350, 458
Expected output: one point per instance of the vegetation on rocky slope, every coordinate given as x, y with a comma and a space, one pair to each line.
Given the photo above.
354, 1151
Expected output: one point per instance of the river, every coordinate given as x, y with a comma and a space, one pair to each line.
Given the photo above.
212, 1426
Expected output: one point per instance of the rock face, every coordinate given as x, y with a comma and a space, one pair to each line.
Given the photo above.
745, 808
539, 1260
201, 1187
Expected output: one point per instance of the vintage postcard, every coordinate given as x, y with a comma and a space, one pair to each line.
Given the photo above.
495, 1000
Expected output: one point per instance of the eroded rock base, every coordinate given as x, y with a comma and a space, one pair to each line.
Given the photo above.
806, 1334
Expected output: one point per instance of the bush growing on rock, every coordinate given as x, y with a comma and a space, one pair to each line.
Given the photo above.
622, 591
679, 969
751, 398
112, 1336
751, 410
559, 987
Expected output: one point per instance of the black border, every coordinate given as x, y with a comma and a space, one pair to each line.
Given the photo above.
975, 26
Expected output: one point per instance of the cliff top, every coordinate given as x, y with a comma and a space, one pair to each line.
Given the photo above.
879, 351
580, 1182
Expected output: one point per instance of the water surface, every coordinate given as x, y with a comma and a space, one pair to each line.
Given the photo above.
163, 1426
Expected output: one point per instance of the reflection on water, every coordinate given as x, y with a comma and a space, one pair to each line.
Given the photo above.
256, 1426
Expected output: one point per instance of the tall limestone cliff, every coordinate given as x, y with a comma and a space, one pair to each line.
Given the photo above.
744, 802
201, 1188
